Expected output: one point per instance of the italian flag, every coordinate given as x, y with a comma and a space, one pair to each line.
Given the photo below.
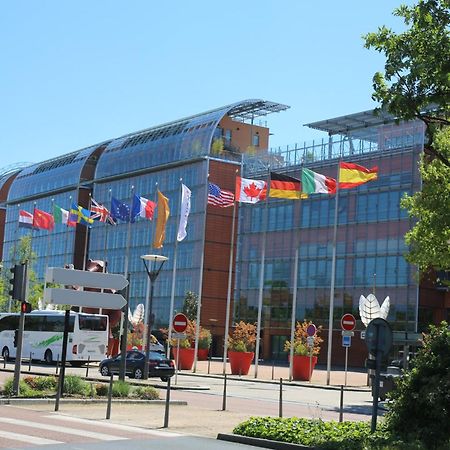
316, 183
61, 215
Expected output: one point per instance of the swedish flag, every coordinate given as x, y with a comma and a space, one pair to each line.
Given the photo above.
80, 215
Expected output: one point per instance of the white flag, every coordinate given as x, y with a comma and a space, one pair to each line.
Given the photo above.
184, 212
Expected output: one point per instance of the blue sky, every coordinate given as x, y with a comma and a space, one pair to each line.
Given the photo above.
73, 74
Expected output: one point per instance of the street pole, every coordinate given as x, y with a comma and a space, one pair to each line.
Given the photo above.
123, 340
149, 328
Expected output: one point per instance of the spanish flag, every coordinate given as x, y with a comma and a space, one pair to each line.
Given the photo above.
284, 186
161, 220
352, 175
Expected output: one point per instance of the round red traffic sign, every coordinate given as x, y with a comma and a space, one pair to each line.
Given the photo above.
348, 322
179, 323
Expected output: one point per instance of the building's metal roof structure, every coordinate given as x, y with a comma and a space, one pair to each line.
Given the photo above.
353, 122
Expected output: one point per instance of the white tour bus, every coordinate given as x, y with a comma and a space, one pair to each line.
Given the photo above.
43, 336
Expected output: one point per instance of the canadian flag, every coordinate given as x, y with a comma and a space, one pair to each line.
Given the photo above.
250, 191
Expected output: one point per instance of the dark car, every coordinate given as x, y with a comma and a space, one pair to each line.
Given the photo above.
159, 365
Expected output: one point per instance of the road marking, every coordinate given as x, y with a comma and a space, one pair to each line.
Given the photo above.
26, 438
65, 430
115, 426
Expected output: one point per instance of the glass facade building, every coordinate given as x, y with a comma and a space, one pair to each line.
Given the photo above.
371, 224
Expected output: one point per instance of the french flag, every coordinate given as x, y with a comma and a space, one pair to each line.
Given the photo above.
142, 207
25, 219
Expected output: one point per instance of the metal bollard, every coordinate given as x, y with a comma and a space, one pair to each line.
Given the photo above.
57, 364
4, 362
224, 400
280, 405
341, 406
166, 412
108, 408
29, 363
87, 366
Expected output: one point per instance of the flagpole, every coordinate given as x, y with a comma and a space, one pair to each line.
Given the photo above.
48, 240
202, 259
230, 277
333, 277
86, 237
105, 244
147, 291
174, 271
127, 250
16, 232
261, 277
294, 309
66, 244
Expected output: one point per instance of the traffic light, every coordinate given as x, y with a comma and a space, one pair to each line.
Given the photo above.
18, 282
16, 337
25, 307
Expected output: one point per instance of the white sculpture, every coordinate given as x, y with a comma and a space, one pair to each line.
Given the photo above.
137, 316
370, 309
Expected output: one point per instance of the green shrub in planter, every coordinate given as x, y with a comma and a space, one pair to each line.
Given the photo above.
24, 389
49, 383
101, 389
146, 393
74, 385
120, 389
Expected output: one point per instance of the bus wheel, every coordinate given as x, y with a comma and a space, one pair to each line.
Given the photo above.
5, 353
48, 356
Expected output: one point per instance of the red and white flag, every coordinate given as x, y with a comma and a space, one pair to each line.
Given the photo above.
250, 191
25, 219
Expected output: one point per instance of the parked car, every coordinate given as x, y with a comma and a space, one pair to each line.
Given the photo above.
159, 365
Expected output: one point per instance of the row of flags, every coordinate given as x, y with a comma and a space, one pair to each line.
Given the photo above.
247, 191
283, 186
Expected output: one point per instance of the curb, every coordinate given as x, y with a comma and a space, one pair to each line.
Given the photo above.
81, 401
285, 381
258, 442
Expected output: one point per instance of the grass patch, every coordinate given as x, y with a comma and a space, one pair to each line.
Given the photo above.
74, 385
121, 389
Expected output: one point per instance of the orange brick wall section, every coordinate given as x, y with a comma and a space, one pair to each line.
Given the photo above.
217, 252
241, 134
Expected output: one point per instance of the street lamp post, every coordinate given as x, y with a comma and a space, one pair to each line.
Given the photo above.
156, 262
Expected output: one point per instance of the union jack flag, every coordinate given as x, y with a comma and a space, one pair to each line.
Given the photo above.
101, 213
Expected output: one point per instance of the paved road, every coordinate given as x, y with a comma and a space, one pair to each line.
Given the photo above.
24, 428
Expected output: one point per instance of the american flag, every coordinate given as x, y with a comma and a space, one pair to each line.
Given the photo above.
219, 197
100, 212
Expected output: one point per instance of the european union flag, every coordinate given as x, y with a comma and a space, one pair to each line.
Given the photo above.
119, 210
80, 215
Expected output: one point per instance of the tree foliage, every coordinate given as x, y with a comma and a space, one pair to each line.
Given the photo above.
429, 239
416, 79
190, 305
420, 407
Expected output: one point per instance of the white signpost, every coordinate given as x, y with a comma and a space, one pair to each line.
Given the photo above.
81, 278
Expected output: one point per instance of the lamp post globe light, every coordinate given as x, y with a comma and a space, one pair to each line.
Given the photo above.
153, 265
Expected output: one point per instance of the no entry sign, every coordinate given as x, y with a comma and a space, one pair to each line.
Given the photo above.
179, 323
311, 330
348, 322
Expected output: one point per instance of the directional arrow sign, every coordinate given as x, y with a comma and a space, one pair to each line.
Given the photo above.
58, 296
85, 278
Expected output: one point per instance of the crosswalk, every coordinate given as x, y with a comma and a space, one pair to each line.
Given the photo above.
22, 429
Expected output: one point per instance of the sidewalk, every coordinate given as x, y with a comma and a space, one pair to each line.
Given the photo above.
268, 372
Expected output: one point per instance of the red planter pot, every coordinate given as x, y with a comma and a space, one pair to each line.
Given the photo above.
184, 358
240, 362
202, 354
302, 369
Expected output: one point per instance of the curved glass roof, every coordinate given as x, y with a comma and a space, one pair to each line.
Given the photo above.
48, 176
174, 141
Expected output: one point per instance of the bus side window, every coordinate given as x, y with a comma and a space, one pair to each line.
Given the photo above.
33, 323
9, 323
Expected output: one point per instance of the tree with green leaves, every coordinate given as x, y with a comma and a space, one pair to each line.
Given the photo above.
420, 403
429, 239
190, 305
21, 253
416, 79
